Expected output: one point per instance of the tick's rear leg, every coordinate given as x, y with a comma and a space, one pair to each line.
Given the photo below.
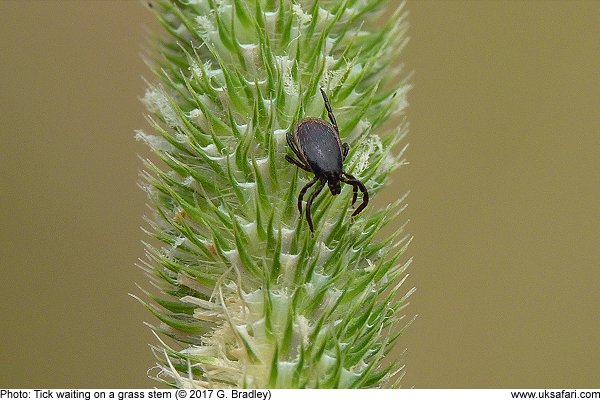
330, 111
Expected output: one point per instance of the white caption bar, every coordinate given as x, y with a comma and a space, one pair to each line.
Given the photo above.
288, 394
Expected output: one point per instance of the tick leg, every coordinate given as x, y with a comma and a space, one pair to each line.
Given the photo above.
290, 142
345, 150
354, 194
310, 201
349, 179
298, 163
330, 111
303, 191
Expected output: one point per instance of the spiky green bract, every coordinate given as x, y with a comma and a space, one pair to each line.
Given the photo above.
253, 298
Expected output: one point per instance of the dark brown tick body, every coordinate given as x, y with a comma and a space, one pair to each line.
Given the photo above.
318, 148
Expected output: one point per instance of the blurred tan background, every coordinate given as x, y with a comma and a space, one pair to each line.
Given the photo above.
504, 174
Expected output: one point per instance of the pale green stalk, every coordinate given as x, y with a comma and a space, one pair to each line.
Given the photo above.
249, 296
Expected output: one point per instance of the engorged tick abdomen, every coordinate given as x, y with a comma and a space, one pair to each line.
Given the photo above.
319, 146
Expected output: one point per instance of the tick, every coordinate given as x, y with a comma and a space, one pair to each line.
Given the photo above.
318, 149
